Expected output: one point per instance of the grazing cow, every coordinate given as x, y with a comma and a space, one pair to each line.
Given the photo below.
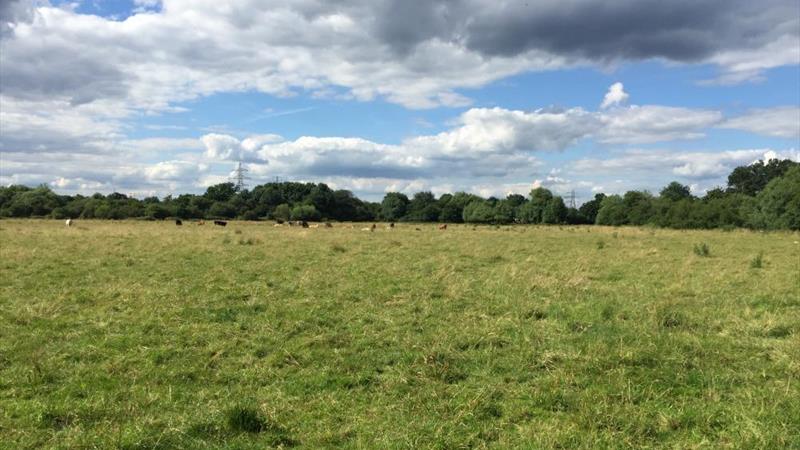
69, 222
221, 223
417, 229
178, 222
443, 226
201, 222
316, 225
304, 224
374, 226
328, 225
367, 229
277, 225
390, 226
279, 221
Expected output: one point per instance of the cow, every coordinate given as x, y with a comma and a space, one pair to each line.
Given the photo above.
221, 223
277, 225
69, 222
279, 221
390, 226
328, 225
304, 224
316, 225
178, 222
201, 222
443, 226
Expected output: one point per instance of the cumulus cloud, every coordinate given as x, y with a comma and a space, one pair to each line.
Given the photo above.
417, 54
689, 165
781, 122
616, 95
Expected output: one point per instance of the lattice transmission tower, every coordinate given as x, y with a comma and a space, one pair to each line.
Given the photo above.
240, 177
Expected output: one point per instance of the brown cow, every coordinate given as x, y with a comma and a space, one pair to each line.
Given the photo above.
443, 226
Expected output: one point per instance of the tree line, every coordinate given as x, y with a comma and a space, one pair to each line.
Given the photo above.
764, 195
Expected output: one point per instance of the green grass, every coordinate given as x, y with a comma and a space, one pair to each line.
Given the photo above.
147, 335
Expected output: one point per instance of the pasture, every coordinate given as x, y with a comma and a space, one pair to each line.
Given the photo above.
147, 335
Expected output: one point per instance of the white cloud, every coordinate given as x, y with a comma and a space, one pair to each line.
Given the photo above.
653, 123
616, 95
782, 122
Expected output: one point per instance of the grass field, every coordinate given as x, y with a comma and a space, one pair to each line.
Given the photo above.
148, 335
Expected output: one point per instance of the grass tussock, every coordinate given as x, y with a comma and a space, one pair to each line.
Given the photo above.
702, 249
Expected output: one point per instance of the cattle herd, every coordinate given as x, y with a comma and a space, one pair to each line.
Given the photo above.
289, 223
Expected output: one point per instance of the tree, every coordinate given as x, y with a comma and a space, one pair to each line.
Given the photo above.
778, 205
156, 211
612, 211
305, 212
750, 180
503, 212
422, 208
479, 211
638, 207
393, 206
533, 211
555, 212
589, 209
675, 191
322, 198
282, 212
220, 192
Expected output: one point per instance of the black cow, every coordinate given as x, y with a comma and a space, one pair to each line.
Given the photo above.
304, 224
221, 223
178, 222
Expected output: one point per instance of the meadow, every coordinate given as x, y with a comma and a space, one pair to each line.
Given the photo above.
139, 335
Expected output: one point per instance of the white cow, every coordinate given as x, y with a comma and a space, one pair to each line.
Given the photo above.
69, 222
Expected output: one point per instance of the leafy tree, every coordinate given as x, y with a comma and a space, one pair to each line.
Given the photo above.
533, 210
220, 192
555, 212
305, 212
589, 209
503, 212
156, 211
393, 206
453, 210
323, 200
638, 207
422, 208
282, 212
675, 192
612, 211
222, 209
778, 205
750, 180
479, 211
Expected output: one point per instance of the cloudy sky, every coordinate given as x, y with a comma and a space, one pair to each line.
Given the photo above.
487, 96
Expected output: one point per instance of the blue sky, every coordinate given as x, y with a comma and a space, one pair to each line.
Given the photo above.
156, 98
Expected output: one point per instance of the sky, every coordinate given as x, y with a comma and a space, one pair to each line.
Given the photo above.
151, 97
